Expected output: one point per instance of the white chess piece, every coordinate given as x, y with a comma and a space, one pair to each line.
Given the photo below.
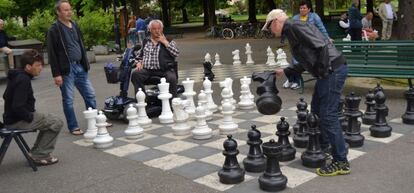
143, 119
181, 127
207, 58
227, 126
347, 39
270, 57
245, 100
189, 94
230, 86
166, 113
201, 130
228, 96
236, 57
282, 58
202, 101
134, 130
102, 139
249, 54
92, 130
217, 60
247, 81
209, 92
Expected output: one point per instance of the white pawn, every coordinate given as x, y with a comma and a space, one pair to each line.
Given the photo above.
92, 130
143, 119
247, 81
249, 54
102, 139
181, 127
133, 131
207, 58
209, 93
217, 60
166, 113
281, 58
236, 57
189, 94
270, 57
227, 126
201, 130
202, 101
245, 100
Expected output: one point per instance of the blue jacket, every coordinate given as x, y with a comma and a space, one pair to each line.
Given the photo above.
140, 25
354, 17
314, 18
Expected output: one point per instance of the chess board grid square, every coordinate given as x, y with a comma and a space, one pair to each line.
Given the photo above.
198, 152
195, 169
147, 155
176, 146
218, 159
394, 136
169, 161
156, 141
212, 181
218, 144
160, 131
124, 150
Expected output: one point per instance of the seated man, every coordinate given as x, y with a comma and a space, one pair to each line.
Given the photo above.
3, 44
367, 29
20, 113
156, 58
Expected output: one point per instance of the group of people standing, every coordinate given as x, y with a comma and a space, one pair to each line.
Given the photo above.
137, 29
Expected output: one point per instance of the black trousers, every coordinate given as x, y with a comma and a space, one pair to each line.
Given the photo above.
140, 78
355, 33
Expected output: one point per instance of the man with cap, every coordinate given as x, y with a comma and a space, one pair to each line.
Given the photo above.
317, 55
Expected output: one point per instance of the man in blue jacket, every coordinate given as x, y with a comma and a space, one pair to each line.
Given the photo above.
355, 24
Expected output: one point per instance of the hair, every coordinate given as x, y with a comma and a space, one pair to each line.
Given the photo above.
59, 3
307, 3
152, 22
29, 57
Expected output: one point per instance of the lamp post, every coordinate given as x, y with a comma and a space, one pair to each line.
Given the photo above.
116, 30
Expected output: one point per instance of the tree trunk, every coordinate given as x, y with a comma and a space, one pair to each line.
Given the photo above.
165, 17
271, 4
185, 15
205, 11
252, 11
212, 21
319, 8
405, 20
370, 6
24, 18
135, 4
294, 5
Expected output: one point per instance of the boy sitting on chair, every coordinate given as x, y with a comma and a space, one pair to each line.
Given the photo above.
20, 113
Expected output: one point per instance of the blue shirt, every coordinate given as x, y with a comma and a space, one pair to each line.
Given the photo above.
140, 24
314, 19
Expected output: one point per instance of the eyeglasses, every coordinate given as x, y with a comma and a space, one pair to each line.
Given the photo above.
269, 25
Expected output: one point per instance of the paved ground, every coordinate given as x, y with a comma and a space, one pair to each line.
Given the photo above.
387, 169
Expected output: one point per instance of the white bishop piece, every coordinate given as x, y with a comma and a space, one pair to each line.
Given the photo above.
249, 54
102, 139
201, 130
181, 126
209, 93
166, 113
133, 131
217, 60
92, 130
143, 119
189, 94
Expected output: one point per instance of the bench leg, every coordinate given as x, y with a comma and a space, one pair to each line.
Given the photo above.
20, 141
24, 143
4, 146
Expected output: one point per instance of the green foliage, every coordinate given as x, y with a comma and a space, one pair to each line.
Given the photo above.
14, 28
39, 24
96, 27
5, 8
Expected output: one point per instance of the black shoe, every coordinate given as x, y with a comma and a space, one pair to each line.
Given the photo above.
334, 169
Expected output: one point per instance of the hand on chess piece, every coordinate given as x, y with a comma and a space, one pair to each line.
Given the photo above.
268, 103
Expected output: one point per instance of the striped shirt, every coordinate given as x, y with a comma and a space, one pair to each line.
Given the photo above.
148, 55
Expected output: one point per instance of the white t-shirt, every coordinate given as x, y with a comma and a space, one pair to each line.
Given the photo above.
388, 9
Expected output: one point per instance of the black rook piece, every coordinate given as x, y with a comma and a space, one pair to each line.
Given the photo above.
255, 161
353, 133
408, 117
231, 173
288, 152
268, 103
380, 128
208, 72
369, 116
272, 179
313, 157
300, 139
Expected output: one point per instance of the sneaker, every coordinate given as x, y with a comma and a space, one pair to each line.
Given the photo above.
287, 84
294, 86
335, 168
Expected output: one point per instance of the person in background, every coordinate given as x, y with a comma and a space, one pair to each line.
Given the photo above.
3, 45
141, 28
367, 29
355, 25
344, 23
132, 30
387, 14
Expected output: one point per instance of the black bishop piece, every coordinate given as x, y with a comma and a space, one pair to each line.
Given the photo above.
369, 116
380, 129
255, 160
288, 152
408, 117
231, 173
313, 157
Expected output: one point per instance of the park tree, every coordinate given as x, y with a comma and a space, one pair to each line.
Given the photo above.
271, 4
6, 8
319, 6
405, 19
252, 11
25, 8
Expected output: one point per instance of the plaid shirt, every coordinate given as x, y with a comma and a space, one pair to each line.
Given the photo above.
148, 55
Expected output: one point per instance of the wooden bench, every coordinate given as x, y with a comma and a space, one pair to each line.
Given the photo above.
26, 44
379, 59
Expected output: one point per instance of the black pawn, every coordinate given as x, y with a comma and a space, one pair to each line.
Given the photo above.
353, 133
208, 72
380, 128
408, 117
300, 138
231, 173
288, 152
272, 179
255, 160
341, 116
369, 116
313, 157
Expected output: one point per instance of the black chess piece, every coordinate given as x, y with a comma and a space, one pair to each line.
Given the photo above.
368, 118
313, 157
268, 103
231, 173
288, 152
353, 133
300, 139
272, 179
380, 129
408, 117
342, 119
379, 88
255, 160
208, 70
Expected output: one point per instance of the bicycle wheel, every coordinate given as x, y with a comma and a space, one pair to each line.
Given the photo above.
227, 33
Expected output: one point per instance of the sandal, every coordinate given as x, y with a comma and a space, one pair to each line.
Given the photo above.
77, 132
46, 161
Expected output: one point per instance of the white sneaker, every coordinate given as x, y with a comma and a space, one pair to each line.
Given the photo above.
294, 86
287, 84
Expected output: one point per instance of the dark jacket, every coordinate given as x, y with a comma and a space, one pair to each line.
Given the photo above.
3, 39
19, 102
355, 17
311, 49
57, 53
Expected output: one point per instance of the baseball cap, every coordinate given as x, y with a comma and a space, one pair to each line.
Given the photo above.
272, 15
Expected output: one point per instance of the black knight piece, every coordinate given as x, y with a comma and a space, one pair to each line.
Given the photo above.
369, 116
288, 152
380, 129
208, 70
231, 173
255, 160
272, 179
268, 103
313, 157
300, 139
408, 117
353, 133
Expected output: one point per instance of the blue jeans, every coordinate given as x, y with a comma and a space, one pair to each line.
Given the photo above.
77, 77
295, 78
325, 101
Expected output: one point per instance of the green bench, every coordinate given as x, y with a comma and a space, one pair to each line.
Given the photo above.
379, 59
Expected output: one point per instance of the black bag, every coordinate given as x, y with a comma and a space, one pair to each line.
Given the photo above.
112, 73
